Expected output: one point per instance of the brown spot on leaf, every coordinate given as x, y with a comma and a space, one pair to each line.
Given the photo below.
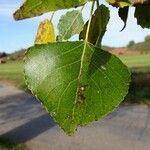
81, 94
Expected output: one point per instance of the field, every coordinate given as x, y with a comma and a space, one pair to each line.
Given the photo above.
136, 60
13, 71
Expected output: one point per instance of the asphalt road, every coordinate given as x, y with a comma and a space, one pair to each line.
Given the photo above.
23, 120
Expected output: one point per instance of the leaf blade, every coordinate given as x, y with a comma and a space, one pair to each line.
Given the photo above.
32, 8
70, 24
52, 73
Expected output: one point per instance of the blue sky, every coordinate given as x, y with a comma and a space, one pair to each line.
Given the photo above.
15, 35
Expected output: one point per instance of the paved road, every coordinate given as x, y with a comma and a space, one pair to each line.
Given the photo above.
22, 119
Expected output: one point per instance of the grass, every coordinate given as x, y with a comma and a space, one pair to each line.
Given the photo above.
7, 145
13, 70
136, 60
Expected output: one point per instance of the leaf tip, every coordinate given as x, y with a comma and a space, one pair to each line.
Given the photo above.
123, 28
16, 15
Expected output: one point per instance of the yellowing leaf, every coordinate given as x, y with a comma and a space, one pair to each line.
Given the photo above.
120, 3
46, 33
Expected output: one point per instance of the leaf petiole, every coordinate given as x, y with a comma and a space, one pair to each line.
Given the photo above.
52, 16
90, 19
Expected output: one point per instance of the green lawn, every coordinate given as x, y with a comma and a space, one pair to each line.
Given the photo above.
13, 71
136, 60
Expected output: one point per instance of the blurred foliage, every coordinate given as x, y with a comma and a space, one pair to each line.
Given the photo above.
143, 47
139, 91
131, 43
8, 145
147, 38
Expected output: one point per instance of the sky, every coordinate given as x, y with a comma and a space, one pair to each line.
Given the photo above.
15, 35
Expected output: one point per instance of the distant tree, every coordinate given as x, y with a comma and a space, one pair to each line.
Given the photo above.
131, 43
3, 54
147, 38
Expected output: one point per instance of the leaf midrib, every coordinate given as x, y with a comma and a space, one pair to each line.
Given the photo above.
80, 73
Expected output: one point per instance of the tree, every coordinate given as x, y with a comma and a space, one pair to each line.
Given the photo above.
3, 54
130, 44
77, 82
147, 38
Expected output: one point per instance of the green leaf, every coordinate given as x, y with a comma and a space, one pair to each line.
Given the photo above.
98, 25
32, 8
142, 14
75, 81
123, 14
120, 3
70, 24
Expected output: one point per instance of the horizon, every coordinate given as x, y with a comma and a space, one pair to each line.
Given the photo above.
111, 48
16, 35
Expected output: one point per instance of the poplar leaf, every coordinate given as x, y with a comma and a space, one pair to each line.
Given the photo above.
45, 33
76, 82
123, 14
70, 24
142, 14
32, 8
98, 25
120, 3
